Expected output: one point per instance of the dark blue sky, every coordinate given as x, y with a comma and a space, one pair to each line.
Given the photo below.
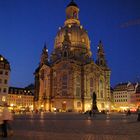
26, 24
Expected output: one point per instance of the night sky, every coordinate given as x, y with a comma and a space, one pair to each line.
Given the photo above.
26, 24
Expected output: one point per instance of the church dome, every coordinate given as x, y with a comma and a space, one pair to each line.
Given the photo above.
77, 35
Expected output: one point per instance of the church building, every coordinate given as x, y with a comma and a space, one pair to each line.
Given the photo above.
66, 80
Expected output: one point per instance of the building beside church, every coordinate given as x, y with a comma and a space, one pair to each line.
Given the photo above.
4, 79
20, 99
126, 96
66, 80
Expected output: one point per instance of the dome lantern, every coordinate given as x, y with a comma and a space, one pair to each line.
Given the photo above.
72, 12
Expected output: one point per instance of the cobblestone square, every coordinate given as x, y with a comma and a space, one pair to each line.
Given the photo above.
72, 126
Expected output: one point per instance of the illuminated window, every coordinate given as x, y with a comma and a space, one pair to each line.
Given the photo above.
3, 98
78, 104
83, 40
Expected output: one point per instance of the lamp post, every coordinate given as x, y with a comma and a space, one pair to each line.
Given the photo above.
108, 103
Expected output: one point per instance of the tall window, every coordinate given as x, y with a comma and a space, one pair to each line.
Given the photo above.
78, 86
64, 85
4, 90
91, 85
5, 81
1, 72
6, 73
101, 88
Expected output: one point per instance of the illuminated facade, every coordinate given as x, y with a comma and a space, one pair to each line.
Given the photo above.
67, 79
4, 79
20, 98
126, 96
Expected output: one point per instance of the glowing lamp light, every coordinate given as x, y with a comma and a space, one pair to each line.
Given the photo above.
107, 106
46, 50
64, 102
69, 26
11, 105
81, 27
1, 58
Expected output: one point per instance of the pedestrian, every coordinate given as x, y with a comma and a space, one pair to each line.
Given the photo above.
94, 112
6, 118
90, 113
138, 119
128, 113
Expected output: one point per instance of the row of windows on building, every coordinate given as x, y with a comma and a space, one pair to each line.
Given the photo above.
17, 91
3, 65
120, 93
121, 100
78, 86
17, 101
5, 81
120, 96
3, 72
19, 97
20, 104
4, 90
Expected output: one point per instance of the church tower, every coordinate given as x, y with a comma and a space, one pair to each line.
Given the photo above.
44, 56
101, 61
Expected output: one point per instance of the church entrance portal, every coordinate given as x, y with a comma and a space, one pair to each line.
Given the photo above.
64, 106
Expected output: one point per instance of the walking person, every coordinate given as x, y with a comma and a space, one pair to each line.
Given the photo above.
6, 117
90, 113
138, 119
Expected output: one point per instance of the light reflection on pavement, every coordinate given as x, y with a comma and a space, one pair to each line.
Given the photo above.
72, 126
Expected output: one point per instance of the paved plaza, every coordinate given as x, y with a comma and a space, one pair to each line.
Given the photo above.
72, 126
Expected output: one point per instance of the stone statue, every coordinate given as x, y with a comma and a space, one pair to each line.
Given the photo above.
94, 106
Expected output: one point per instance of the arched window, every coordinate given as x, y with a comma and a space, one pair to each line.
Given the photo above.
91, 85
64, 85
101, 89
101, 94
101, 84
91, 82
78, 86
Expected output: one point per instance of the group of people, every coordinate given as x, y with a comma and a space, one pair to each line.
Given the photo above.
91, 113
5, 120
